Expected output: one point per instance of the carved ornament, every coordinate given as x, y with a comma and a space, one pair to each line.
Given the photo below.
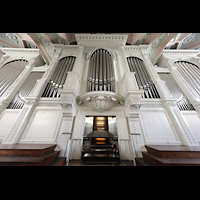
101, 101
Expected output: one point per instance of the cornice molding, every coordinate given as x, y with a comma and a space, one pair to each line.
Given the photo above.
20, 50
94, 39
182, 52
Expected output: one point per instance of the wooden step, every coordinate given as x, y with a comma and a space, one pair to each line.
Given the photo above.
142, 162
174, 151
25, 150
57, 162
101, 158
158, 161
29, 161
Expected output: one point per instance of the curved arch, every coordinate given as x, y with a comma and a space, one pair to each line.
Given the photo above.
59, 76
191, 73
65, 56
15, 60
134, 57
101, 71
142, 77
9, 74
187, 62
95, 49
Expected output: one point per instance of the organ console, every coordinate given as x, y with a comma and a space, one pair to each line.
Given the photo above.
100, 143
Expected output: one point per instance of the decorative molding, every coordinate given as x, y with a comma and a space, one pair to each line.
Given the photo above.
68, 103
131, 47
20, 50
68, 99
49, 104
72, 47
147, 105
181, 52
102, 39
134, 108
110, 37
67, 47
101, 101
133, 99
67, 109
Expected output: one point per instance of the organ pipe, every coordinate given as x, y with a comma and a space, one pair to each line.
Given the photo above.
191, 74
8, 74
18, 101
101, 72
143, 78
182, 102
59, 76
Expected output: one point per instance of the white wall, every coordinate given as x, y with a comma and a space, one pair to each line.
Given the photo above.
192, 119
157, 127
7, 121
43, 126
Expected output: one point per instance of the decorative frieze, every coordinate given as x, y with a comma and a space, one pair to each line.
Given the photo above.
110, 40
19, 50
49, 104
181, 52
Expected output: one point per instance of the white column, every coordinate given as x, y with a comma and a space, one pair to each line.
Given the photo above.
180, 125
68, 103
17, 130
77, 137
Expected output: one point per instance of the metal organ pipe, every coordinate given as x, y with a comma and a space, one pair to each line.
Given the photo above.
18, 101
190, 73
142, 77
59, 76
182, 102
101, 74
8, 74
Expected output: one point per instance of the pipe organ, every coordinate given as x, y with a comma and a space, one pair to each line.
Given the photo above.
182, 101
191, 74
59, 76
143, 78
121, 111
18, 101
9, 72
101, 72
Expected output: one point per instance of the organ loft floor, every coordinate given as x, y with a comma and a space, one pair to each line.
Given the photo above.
79, 163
